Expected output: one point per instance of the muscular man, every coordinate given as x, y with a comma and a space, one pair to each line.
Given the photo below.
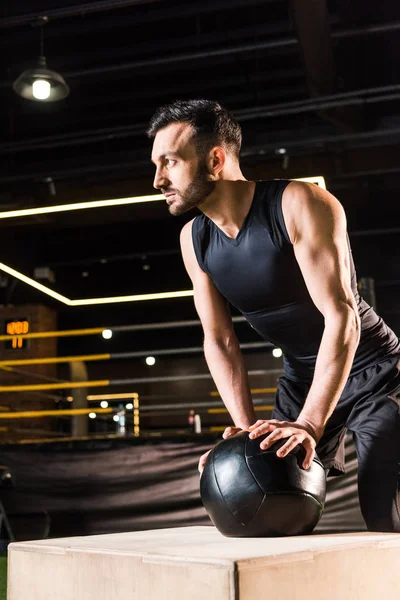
278, 251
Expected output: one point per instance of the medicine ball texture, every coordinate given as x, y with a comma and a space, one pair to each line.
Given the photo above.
249, 492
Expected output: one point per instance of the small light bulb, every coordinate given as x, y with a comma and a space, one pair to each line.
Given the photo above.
92, 415
104, 404
277, 352
116, 418
107, 334
41, 89
150, 360
129, 406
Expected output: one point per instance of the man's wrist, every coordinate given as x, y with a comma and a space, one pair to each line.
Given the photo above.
313, 428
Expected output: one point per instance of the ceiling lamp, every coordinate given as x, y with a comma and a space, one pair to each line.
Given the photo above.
40, 83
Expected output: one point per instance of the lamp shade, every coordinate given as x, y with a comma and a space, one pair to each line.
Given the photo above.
23, 86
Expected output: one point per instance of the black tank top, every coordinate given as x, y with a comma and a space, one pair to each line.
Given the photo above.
259, 275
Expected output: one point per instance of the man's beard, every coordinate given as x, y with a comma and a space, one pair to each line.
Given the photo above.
195, 194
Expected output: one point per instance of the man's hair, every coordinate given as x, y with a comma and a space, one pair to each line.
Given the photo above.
212, 124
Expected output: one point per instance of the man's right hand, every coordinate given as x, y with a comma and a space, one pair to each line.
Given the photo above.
229, 431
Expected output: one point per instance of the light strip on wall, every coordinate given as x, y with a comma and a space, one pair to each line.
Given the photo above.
90, 301
112, 396
41, 210
133, 298
34, 284
318, 180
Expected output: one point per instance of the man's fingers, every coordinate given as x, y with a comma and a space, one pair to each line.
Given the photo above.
310, 453
273, 437
229, 431
261, 430
299, 440
264, 422
256, 424
296, 440
202, 461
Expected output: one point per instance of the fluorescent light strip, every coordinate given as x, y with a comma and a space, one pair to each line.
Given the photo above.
135, 298
41, 210
319, 180
112, 396
35, 284
90, 301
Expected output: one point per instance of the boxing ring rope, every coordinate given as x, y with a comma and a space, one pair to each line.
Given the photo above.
151, 411
99, 330
36, 414
155, 410
119, 355
127, 381
85, 411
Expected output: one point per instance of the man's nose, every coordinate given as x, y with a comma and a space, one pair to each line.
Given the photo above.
160, 180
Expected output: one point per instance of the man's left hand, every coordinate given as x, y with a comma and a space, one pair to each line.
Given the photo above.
296, 432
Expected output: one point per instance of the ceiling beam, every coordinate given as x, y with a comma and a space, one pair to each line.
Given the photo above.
273, 111
69, 11
159, 14
119, 163
310, 18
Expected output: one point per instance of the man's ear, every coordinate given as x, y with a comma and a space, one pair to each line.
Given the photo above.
215, 162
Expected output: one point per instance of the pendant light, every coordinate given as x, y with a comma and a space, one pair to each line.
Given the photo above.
40, 83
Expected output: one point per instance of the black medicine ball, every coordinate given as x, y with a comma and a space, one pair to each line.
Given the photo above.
250, 492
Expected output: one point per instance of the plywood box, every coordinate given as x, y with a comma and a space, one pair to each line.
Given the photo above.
198, 563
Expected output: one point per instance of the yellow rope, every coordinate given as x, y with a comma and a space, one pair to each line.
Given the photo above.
46, 334
54, 386
53, 359
53, 413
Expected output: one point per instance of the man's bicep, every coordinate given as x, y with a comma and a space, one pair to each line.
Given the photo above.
326, 273
212, 308
322, 252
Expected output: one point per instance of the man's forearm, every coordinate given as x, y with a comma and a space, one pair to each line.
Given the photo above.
228, 370
335, 358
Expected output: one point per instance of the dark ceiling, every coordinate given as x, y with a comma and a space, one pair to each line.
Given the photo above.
318, 78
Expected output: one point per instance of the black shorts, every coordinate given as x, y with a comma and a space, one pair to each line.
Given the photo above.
369, 406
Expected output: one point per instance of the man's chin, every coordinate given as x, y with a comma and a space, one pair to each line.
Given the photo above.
176, 209
173, 210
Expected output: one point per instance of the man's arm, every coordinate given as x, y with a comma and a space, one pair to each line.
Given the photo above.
316, 225
221, 347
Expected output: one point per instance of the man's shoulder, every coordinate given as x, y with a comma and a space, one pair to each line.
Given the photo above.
187, 229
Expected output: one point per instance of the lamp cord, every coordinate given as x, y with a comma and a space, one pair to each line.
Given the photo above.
41, 41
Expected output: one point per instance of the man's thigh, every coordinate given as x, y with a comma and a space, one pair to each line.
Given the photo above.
375, 423
374, 398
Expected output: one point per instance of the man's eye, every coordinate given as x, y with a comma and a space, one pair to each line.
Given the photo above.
170, 162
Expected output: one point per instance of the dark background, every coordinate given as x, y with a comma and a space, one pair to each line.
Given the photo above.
317, 78
320, 79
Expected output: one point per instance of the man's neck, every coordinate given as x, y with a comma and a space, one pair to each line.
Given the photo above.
229, 204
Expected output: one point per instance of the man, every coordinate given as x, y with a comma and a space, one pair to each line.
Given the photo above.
279, 252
